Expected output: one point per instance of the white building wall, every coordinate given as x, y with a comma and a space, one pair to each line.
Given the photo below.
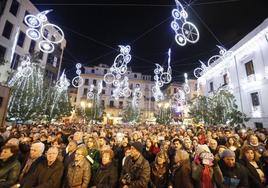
253, 47
17, 21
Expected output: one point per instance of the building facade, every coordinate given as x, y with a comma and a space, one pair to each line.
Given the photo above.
12, 13
245, 74
94, 75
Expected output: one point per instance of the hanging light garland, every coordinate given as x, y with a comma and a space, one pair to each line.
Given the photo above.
78, 81
39, 29
185, 30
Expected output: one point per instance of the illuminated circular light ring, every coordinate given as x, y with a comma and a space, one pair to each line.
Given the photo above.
62, 83
176, 14
33, 34
90, 95
26, 71
46, 46
214, 59
32, 21
109, 78
175, 26
116, 83
119, 61
78, 66
198, 72
57, 33
165, 78
77, 81
127, 58
127, 92
123, 70
180, 39
190, 32
186, 88
118, 76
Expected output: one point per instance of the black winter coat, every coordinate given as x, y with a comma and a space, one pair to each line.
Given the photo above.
106, 176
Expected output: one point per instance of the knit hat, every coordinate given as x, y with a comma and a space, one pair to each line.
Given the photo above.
138, 146
227, 153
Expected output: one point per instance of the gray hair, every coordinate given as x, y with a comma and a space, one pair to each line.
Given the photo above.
40, 145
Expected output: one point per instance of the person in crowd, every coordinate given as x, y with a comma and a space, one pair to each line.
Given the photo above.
78, 138
47, 173
177, 145
155, 145
256, 176
213, 144
93, 157
254, 142
136, 170
107, 174
35, 157
103, 144
147, 151
187, 144
79, 171
205, 170
233, 145
9, 166
181, 171
234, 174
160, 171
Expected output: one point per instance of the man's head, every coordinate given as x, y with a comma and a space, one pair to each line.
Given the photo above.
72, 146
136, 149
213, 144
8, 151
52, 154
13, 142
228, 157
101, 141
78, 136
187, 144
37, 150
177, 144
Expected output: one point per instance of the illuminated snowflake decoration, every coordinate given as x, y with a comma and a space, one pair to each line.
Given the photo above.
161, 78
90, 94
24, 70
137, 95
78, 81
185, 30
39, 29
186, 86
116, 75
63, 83
224, 55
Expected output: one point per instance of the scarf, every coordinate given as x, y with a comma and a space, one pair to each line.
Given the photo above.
205, 178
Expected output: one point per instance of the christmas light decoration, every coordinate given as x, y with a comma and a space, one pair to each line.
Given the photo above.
116, 74
90, 94
186, 86
137, 95
185, 30
49, 34
78, 81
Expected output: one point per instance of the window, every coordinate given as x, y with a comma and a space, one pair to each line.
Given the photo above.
15, 61
258, 125
131, 86
105, 71
86, 81
135, 75
211, 87
121, 104
255, 99
103, 84
249, 68
225, 79
1, 101
40, 55
2, 52
94, 82
7, 29
85, 91
21, 39
26, 13
103, 92
14, 7
111, 103
93, 71
32, 46
102, 103
175, 90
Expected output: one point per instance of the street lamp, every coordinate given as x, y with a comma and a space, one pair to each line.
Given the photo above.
89, 105
166, 105
83, 104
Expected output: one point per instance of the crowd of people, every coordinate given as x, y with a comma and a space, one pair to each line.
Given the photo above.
132, 156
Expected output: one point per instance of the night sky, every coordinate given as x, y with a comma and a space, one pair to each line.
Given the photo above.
94, 28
